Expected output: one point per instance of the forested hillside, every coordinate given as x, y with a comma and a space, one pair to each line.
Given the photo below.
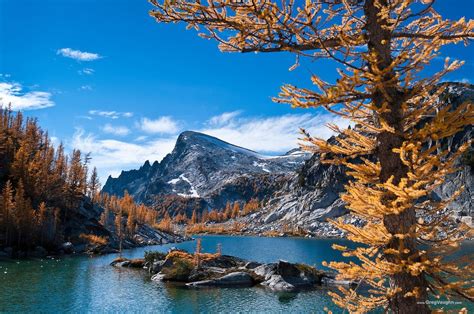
49, 197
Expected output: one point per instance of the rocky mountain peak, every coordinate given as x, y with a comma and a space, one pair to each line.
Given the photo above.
203, 166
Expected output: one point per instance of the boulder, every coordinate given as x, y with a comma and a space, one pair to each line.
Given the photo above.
199, 274
287, 269
157, 277
236, 279
67, 248
265, 270
120, 262
156, 267
285, 276
277, 283
224, 261
252, 265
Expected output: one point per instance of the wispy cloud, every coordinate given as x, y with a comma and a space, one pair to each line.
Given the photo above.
162, 125
270, 134
86, 71
223, 118
78, 55
13, 94
116, 130
111, 114
112, 156
86, 88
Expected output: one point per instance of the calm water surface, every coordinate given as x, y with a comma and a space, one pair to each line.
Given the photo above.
83, 284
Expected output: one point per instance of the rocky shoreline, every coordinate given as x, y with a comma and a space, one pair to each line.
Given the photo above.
144, 236
216, 271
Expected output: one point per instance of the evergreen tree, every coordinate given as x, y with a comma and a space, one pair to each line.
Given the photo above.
236, 210
42, 214
119, 228
131, 221
94, 185
194, 218
7, 211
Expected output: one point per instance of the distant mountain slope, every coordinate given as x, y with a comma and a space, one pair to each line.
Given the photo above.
312, 195
202, 166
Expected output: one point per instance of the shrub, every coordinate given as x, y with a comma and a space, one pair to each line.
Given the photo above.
151, 256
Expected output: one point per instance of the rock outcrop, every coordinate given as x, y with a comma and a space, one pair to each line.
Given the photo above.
229, 271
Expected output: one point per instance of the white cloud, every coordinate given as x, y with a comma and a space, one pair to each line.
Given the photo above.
162, 125
86, 87
141, 138
111, 114
78, 55
112, 156
116, 130
223, 118
12, 93
86, 71
272, 134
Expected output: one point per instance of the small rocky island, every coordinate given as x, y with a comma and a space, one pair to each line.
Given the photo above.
202, 270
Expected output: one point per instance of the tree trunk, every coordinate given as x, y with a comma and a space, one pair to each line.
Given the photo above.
379, 42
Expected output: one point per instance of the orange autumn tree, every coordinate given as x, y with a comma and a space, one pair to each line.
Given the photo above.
394, 154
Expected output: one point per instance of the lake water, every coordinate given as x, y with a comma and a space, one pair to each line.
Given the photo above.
83, 284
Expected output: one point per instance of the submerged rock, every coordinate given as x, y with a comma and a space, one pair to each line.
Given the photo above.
124, 262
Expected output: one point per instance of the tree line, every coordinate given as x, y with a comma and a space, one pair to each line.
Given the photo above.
40, 184
42, 187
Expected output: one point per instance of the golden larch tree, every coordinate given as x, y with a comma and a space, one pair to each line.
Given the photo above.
394, 153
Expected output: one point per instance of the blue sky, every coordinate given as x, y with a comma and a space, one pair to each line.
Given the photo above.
105, 77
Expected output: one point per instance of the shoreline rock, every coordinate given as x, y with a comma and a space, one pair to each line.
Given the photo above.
217, 271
